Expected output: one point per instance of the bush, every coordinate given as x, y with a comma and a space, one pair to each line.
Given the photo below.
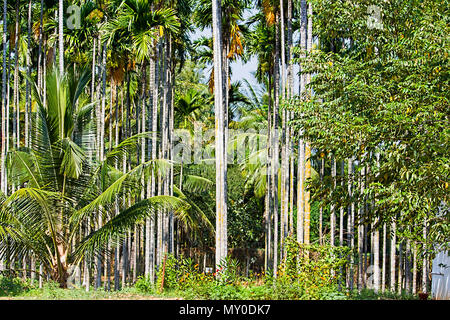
370, 294
13, 286
309, 272
306, 273
143, 284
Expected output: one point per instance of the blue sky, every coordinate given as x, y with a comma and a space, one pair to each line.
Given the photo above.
239, 69
242, 70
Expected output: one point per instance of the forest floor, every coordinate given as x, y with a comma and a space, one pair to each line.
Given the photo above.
52, 293
18, 289
110, 297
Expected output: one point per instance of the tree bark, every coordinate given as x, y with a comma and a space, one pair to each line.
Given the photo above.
392, 258
321, 175
219, 105
16, 92
275, 144
4, 105
60, 35
385, 258
332, 205
351, 221
301, 146
309, 36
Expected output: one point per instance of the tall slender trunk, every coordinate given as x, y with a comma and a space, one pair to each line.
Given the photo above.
301, 146
165, 139
126, 121
291, 185
361, 232
148, 221
87, 278
392, 258
8, 109
290, 93
44, 72
300, 191
40, 60
154, 82
400, 268
321, 176
424, 261
385, 258
101, 146
16, 93
269, 199
307, 224
414, 269
27, 85
408, 266
376, 259
116, 200
4, 105
351, 220
309, 36
159, 81
219, 105
341, 208
171, 145
284, 135
275, 144
332, 205
60, 36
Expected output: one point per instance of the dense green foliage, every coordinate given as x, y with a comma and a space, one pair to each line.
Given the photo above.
381, 97
355, 167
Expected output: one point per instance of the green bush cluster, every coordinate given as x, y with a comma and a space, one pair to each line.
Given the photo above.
307, 272
310, 271
13, 286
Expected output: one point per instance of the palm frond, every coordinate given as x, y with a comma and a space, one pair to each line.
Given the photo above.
125, 220
194, 183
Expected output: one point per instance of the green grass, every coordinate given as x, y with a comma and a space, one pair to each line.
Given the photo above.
17, 288
368, 294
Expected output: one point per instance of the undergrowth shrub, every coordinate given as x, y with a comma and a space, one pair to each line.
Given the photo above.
307, 272
10, 286
310, 271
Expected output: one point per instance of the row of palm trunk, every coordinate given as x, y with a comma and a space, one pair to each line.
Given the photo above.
156, 92
369, 268
147, 246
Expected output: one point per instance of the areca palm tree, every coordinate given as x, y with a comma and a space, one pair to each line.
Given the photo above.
136, 22
138, 26
187, 108
78, 39
232, 32
64, 188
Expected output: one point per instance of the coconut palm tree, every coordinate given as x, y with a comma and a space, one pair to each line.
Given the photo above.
64, 189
